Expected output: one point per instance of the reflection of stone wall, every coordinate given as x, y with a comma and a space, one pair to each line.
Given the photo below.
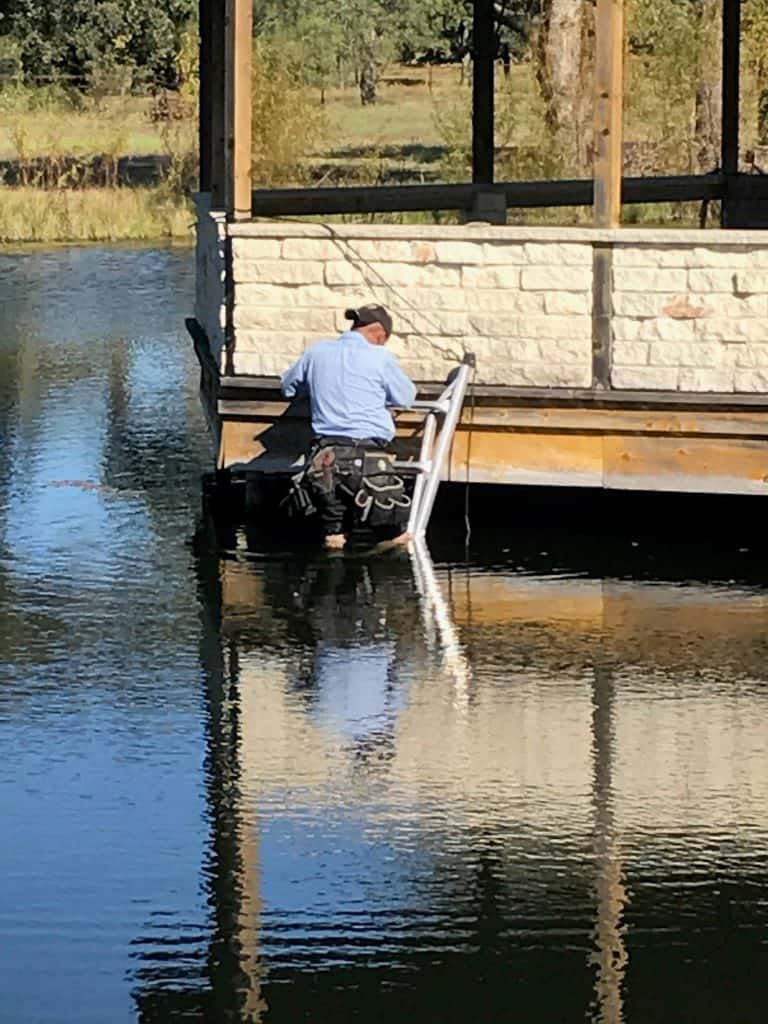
688, 747
690, 307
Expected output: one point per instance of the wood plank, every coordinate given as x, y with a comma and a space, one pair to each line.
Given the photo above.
484, 52
254, 387
521, 194
205, 146
239, 48
699, 465
543, 420
218, 104
608, 114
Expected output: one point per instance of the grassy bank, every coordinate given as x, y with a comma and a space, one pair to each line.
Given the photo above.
419, 130
29, 214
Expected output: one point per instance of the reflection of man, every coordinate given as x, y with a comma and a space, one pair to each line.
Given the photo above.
351, 382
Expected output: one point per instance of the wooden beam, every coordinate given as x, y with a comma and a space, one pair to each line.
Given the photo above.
217, 103
239, 49
483, 54
205, 147
609, 103
296, 202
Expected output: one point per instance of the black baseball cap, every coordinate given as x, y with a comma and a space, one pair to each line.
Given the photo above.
363, 316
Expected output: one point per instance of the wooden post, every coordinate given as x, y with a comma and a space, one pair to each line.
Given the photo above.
217, 103
609, 105
239, 49
205, 148
609, 89
484, 52
729, 152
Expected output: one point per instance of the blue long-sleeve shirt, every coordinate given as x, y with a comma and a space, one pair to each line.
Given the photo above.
350, 384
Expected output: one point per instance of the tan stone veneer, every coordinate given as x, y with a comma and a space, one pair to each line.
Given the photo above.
690, 308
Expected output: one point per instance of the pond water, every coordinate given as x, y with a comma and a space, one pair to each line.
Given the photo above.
524, 781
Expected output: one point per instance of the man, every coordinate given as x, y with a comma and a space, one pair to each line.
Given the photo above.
351, 383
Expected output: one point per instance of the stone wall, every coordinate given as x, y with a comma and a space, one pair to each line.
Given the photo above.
210, 275
690, 308
692, 316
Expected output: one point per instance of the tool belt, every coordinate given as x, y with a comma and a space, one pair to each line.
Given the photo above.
352, 471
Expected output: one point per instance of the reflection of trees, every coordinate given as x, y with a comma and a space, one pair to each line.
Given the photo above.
231, 991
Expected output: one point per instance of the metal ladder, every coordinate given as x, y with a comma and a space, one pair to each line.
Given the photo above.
435, 446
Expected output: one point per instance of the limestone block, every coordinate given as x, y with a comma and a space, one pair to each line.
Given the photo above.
506, 253
341, 272
565, 303
501, 303
314, 249
285, 344
287, 272
275, 295
750, 282
698, 354
490, 277
733, 331
751, 380
639, 279
732, 257
560, 254
397, 275
554, 376
555, 278
631, 353
627, 328
432, 322
520, 350
708, 281
558, 326
750, 357
459, 252
638, 255
692, 379
737, 306
565, 351
645, 378
249, 249
388, 250
755, 257
635, 304
664, 328
323, 322
419, 299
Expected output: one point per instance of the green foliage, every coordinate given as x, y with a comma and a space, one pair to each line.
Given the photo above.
286, 122
111, 45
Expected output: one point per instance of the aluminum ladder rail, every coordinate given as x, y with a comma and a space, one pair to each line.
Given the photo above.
435, 446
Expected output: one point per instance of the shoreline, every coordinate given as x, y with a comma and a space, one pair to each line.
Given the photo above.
35, 216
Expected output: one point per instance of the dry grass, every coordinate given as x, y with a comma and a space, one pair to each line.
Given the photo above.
29, 214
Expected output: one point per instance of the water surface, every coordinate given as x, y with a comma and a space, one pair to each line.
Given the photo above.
528, 782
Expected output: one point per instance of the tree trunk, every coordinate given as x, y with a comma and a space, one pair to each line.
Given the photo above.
369, 76
709, 89
559, 63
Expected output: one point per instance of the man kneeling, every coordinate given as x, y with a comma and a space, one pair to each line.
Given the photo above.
351, 383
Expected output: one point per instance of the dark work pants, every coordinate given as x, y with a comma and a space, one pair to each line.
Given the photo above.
337, 510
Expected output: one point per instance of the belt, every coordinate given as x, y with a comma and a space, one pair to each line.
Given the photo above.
328, 440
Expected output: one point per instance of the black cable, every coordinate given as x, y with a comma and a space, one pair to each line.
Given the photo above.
467, 521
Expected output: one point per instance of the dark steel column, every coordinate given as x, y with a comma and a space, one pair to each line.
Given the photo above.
204, 108
483, 54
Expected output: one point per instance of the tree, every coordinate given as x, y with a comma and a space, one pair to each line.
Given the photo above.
79, 39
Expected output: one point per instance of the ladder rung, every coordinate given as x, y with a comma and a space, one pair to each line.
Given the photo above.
412, 466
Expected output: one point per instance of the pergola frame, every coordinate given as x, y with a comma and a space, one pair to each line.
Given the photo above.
225, 137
